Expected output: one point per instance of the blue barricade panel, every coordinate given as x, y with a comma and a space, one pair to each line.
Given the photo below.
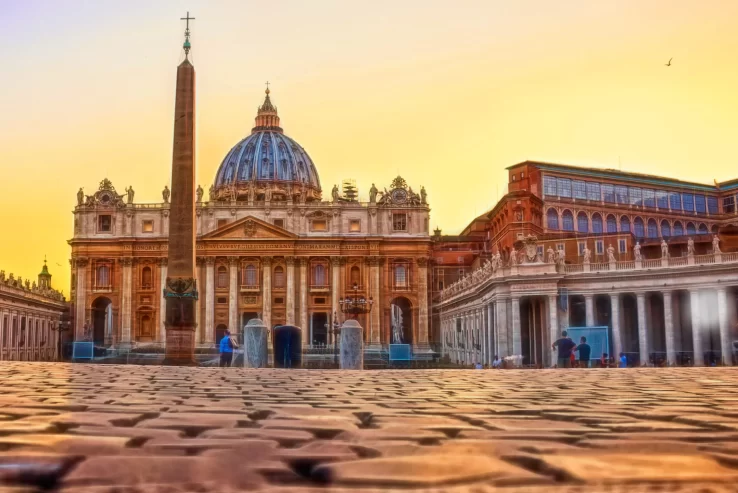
400, 352
597, 338
83, 350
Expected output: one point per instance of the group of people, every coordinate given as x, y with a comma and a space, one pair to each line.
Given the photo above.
567, 357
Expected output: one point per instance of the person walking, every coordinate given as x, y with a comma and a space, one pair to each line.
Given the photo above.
585, 350
565, 345
227, 345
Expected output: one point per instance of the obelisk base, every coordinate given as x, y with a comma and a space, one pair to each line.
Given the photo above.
180, 323
180, 346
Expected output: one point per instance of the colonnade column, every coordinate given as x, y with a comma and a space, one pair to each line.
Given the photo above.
669, 329
303, 303
125, 306
617, 341
694, 302
501, 328
209, 299
517, 347
491, 349
335, 294
233, 324
589, 309
199, 261
376, 313
162, 301
725, 342
80, 297
484, 334
422, 301
290, 316
642, 329
266, 294
553, 326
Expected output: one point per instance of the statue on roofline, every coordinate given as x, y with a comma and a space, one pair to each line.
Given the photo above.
373, 194
611, 253
715, 244
690, 246
664, 249
166, 194
129, 193
80, 197
587, 255
199, 193
637, 252
423, 196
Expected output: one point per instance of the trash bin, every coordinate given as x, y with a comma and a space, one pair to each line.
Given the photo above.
287, 346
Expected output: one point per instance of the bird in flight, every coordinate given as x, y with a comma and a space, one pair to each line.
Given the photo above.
669, 64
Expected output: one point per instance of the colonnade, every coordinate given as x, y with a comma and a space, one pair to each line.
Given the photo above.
27, 335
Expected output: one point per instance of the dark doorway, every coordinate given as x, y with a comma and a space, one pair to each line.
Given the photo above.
318, 329
578, 311
401, 321
102, 320
629, 329
245, 317
220, 331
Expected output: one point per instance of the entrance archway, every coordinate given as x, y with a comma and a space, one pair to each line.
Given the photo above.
102, 320
318, 329
247, 316
401, 321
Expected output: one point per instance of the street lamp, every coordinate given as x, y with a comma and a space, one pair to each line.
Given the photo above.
336, 331
63, 326
357, 304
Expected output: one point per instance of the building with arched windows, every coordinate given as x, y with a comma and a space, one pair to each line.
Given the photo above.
651, 259
269, 245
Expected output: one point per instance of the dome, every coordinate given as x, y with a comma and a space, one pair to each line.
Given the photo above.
267, 164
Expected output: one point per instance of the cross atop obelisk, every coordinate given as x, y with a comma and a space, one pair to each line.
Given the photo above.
187, 44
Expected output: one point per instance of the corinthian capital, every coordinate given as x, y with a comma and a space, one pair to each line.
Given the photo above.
290, 261
233, 260
266, 261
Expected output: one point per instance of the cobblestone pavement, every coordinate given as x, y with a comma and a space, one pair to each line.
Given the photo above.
96, 428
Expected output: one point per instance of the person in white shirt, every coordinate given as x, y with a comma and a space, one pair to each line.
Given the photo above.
497, 363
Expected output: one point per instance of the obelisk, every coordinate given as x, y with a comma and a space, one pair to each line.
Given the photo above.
180, 291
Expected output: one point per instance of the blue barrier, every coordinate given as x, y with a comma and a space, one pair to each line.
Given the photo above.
83, 350
597, 338
400, 352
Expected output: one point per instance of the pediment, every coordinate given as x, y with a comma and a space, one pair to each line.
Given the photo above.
250, 228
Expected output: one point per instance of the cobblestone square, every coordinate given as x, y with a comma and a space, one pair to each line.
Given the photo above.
100, 428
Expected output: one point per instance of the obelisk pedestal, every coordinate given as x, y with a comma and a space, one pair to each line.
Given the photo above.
352, 345
255, 354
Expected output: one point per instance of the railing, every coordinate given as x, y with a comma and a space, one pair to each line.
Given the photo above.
598, 267
704, 259
573, 268
651, 263
729, 257
677, 261
625, 265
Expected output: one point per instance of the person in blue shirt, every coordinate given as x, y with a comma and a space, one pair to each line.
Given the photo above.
623, 361
565, 345
226, 349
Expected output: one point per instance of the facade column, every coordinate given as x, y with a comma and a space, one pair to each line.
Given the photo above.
266, 294
483, 333
376, 313
589, 309
491, 346
669, 329
125, 308
199, 262
209, 299
642, 329
694, 301
162, 301
335, 292
233, 324
501, 328
422, 301
725, 342
80, 298
517, 341
290, 316
617, 339
304, 303
553, 327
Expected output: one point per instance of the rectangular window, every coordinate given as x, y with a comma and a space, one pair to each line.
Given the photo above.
279, 223
688, 202
148, 226
222, 222
662, 199
319, 301
622, 245
549, 186
580, 247
104, 223
355, 226
649, 198
279, 301
564, 187
675, 201
593, 192
559, 246
699, 204
608, 193
729, 205
223, 301
539, 250
580, 189
599, 247
636, 196
399, 222
712, 204
621, 194
318, 225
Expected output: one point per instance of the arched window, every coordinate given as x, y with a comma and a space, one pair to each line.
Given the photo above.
222, 277
665, 229
249, 277
625, 224
355, 276
638, 228
552, 219
319, 275
400, 276
582, 223
703, 229
691, 231
653, 229
715, 229
146, 278
103, 276
678, 229
278, 277
597, 224
567, 221
612, 224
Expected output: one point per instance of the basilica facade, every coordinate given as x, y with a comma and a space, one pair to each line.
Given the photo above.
270, 245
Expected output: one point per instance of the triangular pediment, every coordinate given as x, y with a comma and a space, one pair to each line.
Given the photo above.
249, 228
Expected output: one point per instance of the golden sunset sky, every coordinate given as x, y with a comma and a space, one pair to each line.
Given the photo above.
447, 94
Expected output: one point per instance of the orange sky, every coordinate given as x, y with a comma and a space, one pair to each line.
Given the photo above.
445, 93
